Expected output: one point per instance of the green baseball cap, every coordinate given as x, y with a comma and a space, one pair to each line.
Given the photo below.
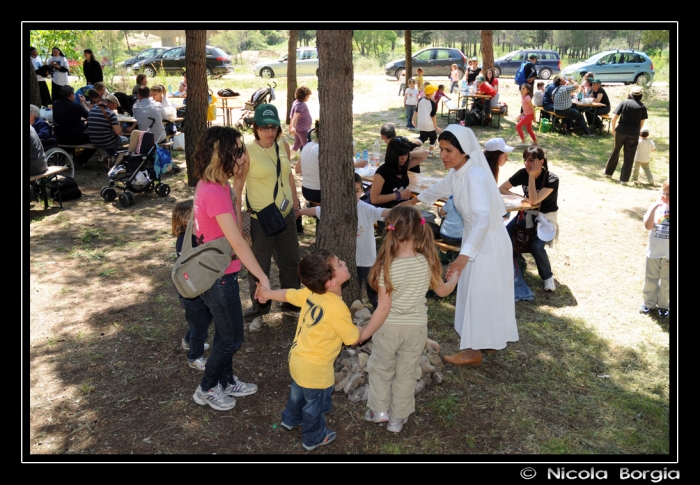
266, 114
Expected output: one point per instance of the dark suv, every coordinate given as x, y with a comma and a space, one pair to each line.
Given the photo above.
144, 54
548, 63
172, 61
435, 61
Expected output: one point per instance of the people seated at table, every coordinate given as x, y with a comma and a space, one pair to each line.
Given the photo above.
564, 107
490, 78
182, 89
149, 115
101, 88
539, 94
42, 128
37, 157
473, 70
93, 98
141, 80
540, 186
160, 96
390, 183
547, 101
104, 128
69, 124
417, 155
482, 87
598, 95
586, 87
92, 68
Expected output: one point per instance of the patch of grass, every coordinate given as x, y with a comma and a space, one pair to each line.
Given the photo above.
87, 388
446, 408
107, 272
392, 448
88, 233
87, 253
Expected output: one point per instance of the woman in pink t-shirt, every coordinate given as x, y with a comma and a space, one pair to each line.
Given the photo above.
219, 156
528, 114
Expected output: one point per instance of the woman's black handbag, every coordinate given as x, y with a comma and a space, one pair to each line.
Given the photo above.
270, 218
522, 236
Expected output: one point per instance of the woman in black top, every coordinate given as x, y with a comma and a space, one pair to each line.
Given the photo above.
92, 68
599, 96
390, 184
540, 186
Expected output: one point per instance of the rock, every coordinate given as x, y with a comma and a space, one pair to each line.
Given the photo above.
428, 379
359, 394
256, 324
355, 381
362, 359
426, 366
438, 377
351, 351
362, 316
355, 307
433, 357
341, 379
420, 385
433, 344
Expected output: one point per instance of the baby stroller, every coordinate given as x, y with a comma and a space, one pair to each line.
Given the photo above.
261, 96
135, 171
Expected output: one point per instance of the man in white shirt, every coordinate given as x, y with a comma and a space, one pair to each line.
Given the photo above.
149, 114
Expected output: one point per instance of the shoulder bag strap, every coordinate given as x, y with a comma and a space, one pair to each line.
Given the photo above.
105, 113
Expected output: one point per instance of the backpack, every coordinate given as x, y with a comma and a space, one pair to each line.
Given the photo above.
474, 116
520, 75
82, 91
126, 102
69, 189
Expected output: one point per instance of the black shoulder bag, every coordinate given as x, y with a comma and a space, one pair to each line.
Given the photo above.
270, 218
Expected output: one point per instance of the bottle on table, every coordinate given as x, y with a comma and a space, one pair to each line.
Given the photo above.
365, 155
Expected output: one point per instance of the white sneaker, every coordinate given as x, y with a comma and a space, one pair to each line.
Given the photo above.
549, 284
239, 388
375, 417
395, 424
186, 346
256, 324
199, 364
215, 397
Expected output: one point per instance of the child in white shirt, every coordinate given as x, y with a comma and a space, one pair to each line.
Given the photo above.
410, 102
643, 156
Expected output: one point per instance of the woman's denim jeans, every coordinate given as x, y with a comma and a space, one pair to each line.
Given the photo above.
306, 407
544, 268
224, 303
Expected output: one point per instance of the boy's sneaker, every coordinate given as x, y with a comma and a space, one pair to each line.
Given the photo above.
330, 436
663, 312
431, 153
215, 397
395, 424
549, 284
239, 388
382, 417
644, 310
199, 364
186, 345
287, 426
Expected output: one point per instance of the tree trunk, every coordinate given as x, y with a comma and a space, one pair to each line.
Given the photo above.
337, 230
291, 71
34, 93
486, 49
407, 54
197, 95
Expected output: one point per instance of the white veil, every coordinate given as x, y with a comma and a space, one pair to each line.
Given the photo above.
470, 145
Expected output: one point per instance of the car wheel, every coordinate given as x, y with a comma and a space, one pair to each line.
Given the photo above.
461, 72
546, 73
398, 72
149, 71
210, 73
267, 73
641, 79
496, 71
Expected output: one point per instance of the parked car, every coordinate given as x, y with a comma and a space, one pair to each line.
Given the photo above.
435, 61
307, 64
625, 66
144, 54
548, 63
172, 61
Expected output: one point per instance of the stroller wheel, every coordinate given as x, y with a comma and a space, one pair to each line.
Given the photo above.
108, 193
163, 190
130, 196
123, 200
150, 186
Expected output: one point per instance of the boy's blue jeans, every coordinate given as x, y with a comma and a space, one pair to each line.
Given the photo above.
306, 407
198, 317
410, 109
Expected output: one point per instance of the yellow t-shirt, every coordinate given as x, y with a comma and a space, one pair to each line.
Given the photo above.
324, 325
419, 82
262, 174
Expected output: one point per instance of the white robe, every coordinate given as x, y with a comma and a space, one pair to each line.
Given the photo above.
485, 312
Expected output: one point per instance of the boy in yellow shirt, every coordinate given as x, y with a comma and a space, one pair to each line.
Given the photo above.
324, 326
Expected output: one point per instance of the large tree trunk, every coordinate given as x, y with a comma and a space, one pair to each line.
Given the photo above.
197, 94
34, 93
291, 70
337, 230
486, 49
407, 53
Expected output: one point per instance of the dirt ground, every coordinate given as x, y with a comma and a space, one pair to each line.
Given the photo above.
106, 374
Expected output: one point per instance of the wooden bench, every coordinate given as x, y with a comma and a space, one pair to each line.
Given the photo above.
606, 118
451, 108
496, 113
167, 144
557, 121
446, 247
49, 178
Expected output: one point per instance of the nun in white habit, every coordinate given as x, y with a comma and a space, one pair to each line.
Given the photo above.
485, 312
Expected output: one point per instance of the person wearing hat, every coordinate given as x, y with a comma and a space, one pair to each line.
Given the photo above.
426, 120
268, 157
540, 186
599, 96
59, 76
473, 70
104, 128
626, 124
42, 71
496, 152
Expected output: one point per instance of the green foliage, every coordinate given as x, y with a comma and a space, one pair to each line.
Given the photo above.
66, 40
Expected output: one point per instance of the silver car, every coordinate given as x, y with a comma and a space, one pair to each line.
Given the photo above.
307, 65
